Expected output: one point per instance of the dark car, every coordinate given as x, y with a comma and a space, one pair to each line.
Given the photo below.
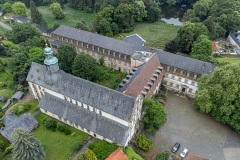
175, 147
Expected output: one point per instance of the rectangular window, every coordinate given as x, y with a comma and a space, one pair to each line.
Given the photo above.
168, 68
71, 41
181, 72
174, 70
62, 39
66, 39
103, 50
186, 81
92, 47
193, 83
188, 74
58, 38
113, 54
195, 76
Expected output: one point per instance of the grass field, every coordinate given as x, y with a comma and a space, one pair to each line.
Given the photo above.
58, 146
156, 34
71, 16
228, 59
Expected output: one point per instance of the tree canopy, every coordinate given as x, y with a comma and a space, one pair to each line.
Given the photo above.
57, 10
66, 56
26, 146
19, 8
86, 67
36, 16
202, 48
87, 155
219, 95
155, 115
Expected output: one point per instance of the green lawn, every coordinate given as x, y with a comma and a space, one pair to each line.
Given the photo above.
228, 59
131, 154
71, 16
58, 146
156, 34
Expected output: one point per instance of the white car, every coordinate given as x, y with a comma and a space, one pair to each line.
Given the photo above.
184, 153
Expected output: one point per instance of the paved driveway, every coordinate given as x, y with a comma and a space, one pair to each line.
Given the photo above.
196, 131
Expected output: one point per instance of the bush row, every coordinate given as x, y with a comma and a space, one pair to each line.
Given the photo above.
52, 125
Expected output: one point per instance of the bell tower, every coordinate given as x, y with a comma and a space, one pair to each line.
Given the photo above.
50, 61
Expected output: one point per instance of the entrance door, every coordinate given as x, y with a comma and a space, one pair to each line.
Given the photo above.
183, 89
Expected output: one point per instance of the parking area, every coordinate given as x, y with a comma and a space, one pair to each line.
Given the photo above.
197, 132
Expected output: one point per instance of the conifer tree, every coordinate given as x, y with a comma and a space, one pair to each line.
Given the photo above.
26, 146
36, 16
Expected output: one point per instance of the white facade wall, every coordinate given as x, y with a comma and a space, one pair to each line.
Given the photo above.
177, 83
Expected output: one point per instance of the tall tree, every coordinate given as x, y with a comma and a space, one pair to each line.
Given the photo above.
154, 13
66, 56
188, 33
26, 146
219, 95
155, 115
36, 16
19, 8
86, 67
57, 10
202, 48
139, 10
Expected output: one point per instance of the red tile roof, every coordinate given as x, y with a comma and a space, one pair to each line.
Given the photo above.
195, 157
117, 155
215, 46
144, 77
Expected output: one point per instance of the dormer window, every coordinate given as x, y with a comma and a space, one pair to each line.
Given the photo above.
92, 47
174, 70
181, 72
168, 68
188, 74
195, 76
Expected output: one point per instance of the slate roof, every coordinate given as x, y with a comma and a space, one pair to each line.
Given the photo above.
98, 40
134, 39
236, 37
185, 63
3, 98
26, 121
21, 19
90, 120
18, 95
43, 29
100, 97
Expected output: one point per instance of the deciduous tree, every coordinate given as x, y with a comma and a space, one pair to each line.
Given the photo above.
87, 155
155, 115
26, 146
219, 95
19, 8
66, 56
57, 10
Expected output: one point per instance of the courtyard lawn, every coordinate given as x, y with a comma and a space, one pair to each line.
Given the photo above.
112, 78
156, 34
228, 59
72, 16
58, 146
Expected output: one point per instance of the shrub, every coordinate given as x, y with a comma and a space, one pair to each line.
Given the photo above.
61, 127
102, 148
50, 124
20, 108
67, 131
1, 144
76, 146
8, 149
143, 143
164, 155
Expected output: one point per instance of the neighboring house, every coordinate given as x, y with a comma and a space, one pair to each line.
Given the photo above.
117, 54
21, 19
234, 39
94, 109
26, 122
144, 79
118, 154
135, 39
181, 73
17, 96
9, 17
45, 31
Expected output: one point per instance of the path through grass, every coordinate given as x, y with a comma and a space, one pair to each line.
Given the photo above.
228, 59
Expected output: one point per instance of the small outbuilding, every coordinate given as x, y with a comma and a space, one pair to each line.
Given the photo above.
21, 19
3, 99
17, 96
44, 30
26, 122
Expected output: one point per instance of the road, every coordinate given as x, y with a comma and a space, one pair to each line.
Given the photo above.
5, 26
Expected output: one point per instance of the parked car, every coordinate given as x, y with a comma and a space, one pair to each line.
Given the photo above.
184, 153
175, 147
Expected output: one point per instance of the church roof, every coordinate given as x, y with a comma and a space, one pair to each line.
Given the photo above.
185, 63
87, 119
97, 96
99, 40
